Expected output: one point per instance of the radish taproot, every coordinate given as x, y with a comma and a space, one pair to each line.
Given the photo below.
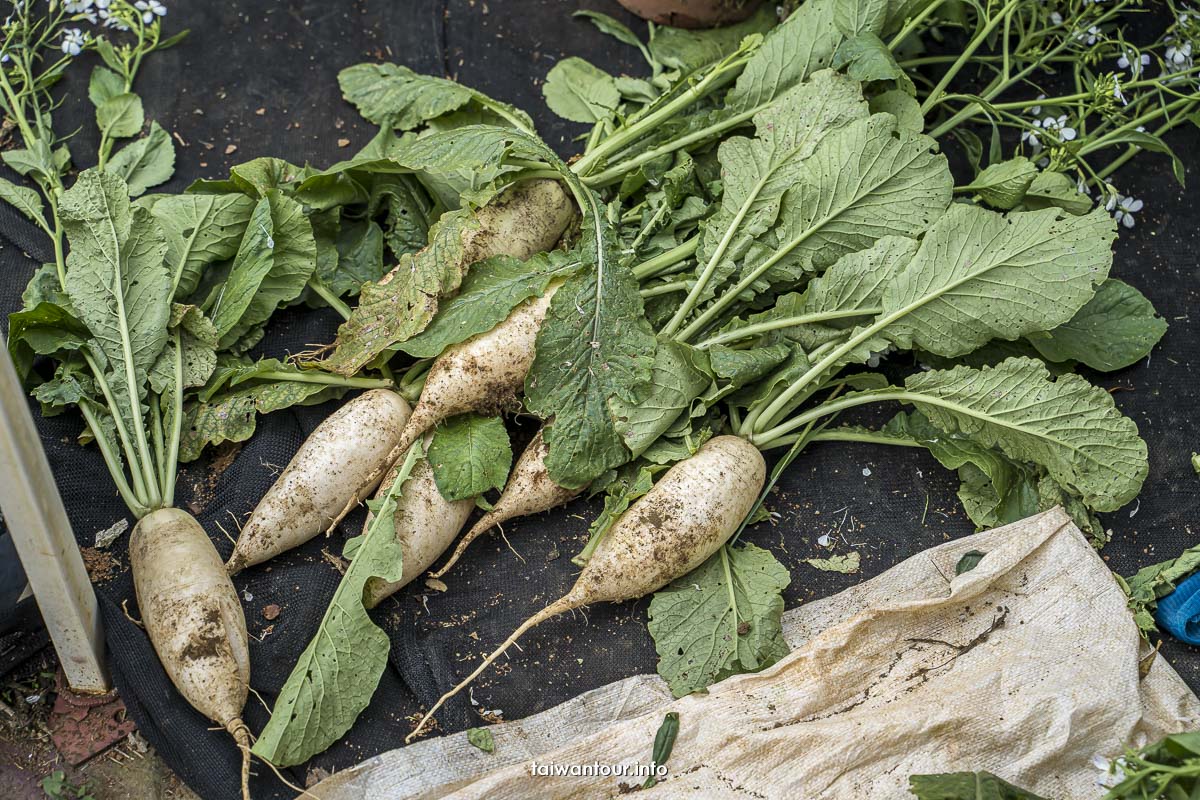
425, 524
195, 622
337, 466
524, 220
530, 490
483, 373
692, 510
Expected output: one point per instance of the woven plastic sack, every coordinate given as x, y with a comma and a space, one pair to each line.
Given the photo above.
1027, 666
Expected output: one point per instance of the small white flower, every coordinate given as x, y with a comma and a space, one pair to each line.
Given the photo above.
1179, 56
73, 41
1136, 66
150, 9
1056, 18
1058, 126
78, 6
1031, 138
1035, 110
1113, 771
1123, 208
1117, 91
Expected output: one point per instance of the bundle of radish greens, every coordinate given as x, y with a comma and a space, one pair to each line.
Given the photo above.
752, 227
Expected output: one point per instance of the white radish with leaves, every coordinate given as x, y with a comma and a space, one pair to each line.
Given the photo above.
336, 467
425, 523
530, 490
195, 622
526, 219
692, 510
484, 373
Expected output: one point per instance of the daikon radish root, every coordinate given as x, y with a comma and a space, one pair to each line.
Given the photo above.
337, 466
426, 524
194, 620
530, 490
483, 373
526, 219
692, 510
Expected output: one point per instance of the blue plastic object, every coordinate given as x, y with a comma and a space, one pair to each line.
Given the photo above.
1179, 612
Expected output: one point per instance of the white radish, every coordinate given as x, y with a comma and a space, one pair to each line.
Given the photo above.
526, 219
425, 523
684, 519
483, 373
337, 466
194, 620
530, 490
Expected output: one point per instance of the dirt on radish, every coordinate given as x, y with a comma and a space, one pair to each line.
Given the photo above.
338, 465
692, 510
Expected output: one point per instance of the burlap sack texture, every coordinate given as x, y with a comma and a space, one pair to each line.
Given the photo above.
1026, 666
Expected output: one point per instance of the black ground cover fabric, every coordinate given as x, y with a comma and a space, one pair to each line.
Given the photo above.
261, 76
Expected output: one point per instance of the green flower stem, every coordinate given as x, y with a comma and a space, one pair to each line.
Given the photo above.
750, 331
625, 136
326, 378
664, 288
56, 238
1133, 149
935, 95
766, 439
625, 166
1103, 141
913, 23
999, 86
654, 266
927, 60
331, 299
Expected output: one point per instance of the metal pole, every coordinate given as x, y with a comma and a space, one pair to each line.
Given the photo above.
38, 524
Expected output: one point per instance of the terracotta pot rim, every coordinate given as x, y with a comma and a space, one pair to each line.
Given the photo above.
692, 13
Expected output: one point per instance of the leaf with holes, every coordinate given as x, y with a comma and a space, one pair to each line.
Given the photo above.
721, 619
